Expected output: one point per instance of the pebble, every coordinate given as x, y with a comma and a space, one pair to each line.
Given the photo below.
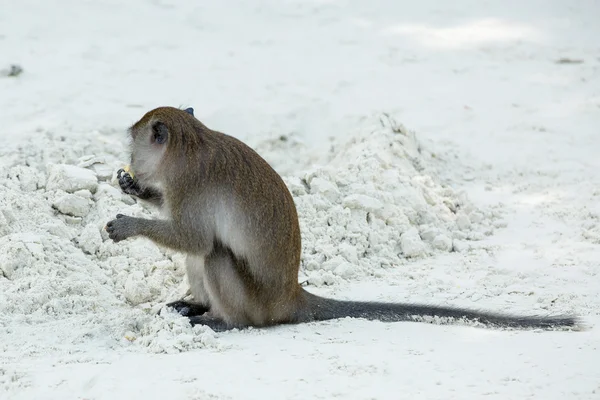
411, 244
73, 205
442, 242
71, 178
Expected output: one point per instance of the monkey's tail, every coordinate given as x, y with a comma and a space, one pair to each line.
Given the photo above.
322, 309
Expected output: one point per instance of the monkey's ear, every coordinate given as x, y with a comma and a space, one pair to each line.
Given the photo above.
190, 110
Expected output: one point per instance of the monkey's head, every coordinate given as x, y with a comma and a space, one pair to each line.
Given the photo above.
161, 137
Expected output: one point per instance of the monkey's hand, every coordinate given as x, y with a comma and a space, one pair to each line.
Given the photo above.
122, 228
127, 183
130, 186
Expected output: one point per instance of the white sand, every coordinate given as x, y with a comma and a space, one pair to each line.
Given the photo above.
487, 197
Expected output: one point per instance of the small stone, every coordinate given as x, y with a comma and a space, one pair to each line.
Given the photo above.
332, 263
73, 205
361, 201
322, 278
476, 236
411, 244
89, 160
58, 229
459, 235
106, 190
459, 245
103, 171
90, 239
13, 71
86, 194
349, 252
327, 188
71, 178
29, 178
399, 221
136, 289
295, 185
14, 256
311, 265
442, 242
428, 234
72, 220
463, 222
345, 270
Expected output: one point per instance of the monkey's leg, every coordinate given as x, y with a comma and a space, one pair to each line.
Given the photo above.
131, 187
187, 308
231, 291
194, 266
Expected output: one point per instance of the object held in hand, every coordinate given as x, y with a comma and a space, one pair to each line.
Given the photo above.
128, 169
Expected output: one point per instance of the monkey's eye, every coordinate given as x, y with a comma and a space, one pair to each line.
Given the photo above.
159, 133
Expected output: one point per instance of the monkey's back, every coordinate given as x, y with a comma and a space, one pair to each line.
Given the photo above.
255, 216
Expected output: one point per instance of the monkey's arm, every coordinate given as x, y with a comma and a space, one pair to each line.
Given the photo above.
131, 187
162, 232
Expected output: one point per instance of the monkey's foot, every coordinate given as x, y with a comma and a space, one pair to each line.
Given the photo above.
213, 323
188, 309
127, 183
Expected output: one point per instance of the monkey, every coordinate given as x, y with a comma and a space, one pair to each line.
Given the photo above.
234, 218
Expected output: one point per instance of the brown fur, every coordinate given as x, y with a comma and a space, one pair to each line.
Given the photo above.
224, 179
